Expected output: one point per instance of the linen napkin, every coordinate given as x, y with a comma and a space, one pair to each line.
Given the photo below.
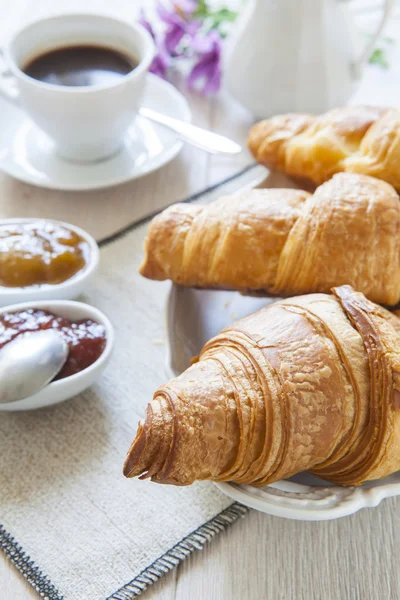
72, 524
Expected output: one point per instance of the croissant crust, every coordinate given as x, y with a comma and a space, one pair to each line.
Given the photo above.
352, 139
284, 242
308, 383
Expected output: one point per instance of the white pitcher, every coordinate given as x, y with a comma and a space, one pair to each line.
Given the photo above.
296, 55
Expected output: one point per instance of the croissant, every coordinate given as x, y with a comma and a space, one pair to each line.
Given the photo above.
283, 241
354, 139
310, 383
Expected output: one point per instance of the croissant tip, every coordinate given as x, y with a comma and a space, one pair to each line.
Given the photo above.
130, 468
126, 470
144, 268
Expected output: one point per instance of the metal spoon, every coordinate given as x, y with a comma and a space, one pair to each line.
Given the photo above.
29, 362
202, 138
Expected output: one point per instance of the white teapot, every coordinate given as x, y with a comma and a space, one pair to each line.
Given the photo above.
296, 55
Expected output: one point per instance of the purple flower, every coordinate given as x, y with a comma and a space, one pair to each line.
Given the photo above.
177, 27
186, 6
162, 59
207, 69
145, 23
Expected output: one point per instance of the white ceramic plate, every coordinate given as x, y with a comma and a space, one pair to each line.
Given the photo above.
193, 317
62, 389
71, 288
28, 154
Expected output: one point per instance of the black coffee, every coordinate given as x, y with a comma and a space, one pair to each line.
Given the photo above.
80, 66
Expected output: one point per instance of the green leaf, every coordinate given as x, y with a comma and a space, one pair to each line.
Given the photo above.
213, 19
202, 11
224, 14
378, 58
385, 38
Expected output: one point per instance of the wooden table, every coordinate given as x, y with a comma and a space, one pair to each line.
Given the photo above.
259, 557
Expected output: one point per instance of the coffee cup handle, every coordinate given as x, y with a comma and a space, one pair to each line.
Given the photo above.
8, 84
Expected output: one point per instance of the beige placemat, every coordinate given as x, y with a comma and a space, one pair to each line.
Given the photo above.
74, 526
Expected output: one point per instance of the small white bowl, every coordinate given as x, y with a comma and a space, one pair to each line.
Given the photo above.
71, 288
62, 389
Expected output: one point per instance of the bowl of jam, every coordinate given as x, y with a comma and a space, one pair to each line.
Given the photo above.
88, 333
43, 259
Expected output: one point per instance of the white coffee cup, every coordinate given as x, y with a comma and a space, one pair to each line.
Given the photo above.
86, 123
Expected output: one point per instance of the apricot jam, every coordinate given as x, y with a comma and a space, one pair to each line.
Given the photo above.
40, 253
86, 338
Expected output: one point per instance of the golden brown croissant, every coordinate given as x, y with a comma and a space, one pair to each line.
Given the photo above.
310, 383
284, 242
353, 139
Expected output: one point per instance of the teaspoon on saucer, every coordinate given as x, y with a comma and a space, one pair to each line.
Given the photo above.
201, 138
29, 362
27, 154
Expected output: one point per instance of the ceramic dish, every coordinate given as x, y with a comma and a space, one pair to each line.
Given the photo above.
193, 317
62, 389
26, 153
71, 288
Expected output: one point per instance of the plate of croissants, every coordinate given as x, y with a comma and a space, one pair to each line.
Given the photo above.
294, 409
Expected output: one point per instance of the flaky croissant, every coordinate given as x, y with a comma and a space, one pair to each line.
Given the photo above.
310, 383
353, 139
284, 242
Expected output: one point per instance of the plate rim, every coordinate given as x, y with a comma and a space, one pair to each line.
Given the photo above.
356, 499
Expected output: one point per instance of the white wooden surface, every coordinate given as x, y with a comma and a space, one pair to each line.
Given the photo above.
260, 557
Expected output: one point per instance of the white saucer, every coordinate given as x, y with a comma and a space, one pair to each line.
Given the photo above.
27, 154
